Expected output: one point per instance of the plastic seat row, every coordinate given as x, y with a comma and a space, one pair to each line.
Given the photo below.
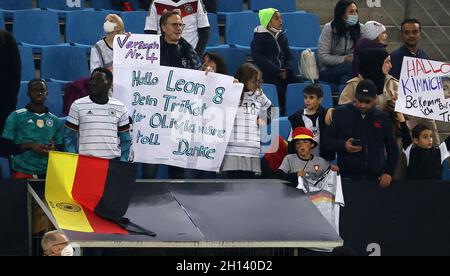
58, 63
13, 5
40, 28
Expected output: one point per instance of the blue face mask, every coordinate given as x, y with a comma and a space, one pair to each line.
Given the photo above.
352, 20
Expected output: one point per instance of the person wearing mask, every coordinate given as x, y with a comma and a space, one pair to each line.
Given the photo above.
102, 51
270, 50
192, 12
374, 35
56, 244
336, 43
363, 138
411, 31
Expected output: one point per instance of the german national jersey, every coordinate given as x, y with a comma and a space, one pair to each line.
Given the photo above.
245, 139
24, 126
326, 194
98, 126
192, 13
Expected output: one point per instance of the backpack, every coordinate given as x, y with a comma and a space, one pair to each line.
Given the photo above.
308, 65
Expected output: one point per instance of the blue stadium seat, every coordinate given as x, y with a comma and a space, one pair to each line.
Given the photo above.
295, 59
16, 4
63, 7
446, 171
295, 100
85, 28
234, 57
28, 68
284, 126
230, 5
62, 4
102, 4
227, 6
37, 28
107, 5
239, 29
279, 126
64, 64
305, 37
6, 171
271, 92
9, 7
54, 99
2, 21
134, 21
214, 36
281, 5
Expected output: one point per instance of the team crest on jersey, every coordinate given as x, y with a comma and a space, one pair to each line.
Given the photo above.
49, 122
112, 112
189, 9
316, 168
40, 123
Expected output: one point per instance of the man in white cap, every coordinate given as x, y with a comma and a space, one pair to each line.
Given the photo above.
374, 35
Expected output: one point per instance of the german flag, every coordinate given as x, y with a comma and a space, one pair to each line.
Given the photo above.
276, 153
88, 194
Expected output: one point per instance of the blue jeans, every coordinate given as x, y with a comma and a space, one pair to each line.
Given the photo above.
338, 74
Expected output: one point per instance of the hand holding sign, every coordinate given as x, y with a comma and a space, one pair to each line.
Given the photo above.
180, 117
422, 89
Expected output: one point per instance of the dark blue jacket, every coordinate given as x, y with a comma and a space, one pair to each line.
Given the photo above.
397, 59
377, 137
296, 120
271, 54
181, 55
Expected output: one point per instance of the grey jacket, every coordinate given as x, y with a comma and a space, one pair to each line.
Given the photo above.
331, 51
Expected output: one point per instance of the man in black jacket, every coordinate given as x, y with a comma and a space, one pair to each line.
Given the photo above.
361, 135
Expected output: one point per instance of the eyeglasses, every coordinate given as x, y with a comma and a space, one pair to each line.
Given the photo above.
177, 25
61, 243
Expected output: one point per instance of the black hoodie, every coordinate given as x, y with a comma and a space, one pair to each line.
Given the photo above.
377, 139
371, 63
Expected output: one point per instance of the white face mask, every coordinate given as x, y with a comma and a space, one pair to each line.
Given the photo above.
67, 251
108, 27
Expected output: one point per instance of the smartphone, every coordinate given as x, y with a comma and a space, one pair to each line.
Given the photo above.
356, 143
